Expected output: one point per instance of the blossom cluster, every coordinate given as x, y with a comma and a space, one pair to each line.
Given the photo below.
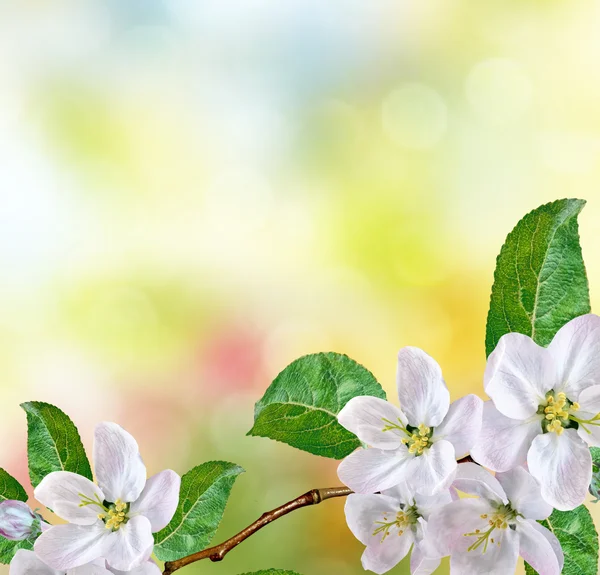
529, 454
110, 524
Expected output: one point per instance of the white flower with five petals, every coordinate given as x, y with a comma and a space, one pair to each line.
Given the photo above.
486, 535
391, 523
417, 444
113, 520
545, 409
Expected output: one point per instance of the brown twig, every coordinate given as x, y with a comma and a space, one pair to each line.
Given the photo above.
218, 552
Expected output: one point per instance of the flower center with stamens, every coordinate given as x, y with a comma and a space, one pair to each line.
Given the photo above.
402, 521
417, 438
499, 520
556, 412
112, 514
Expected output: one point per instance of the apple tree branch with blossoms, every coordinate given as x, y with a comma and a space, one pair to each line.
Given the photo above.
526, 458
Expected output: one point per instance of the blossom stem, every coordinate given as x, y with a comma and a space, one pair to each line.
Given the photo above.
218, 552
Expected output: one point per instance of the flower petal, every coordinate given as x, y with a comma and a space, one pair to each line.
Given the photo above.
537, 550
119, 468
499, 558
518, 375
367, 417
60, 491
97, 567
372, 470
158, 501
589, 399
423, 394
381, 556
65, 547
462, 424
576, 352
503, 442
524, 493
563, 466
447, 526
146, 568
362, 511
420, 564
588, 432
131, 545
475, 480
428, 504
27, 563
432, 471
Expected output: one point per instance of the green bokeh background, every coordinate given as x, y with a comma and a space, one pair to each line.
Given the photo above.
193, 194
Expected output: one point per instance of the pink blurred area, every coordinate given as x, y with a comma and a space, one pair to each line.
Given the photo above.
194, 194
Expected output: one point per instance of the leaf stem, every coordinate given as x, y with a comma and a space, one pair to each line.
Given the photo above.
218, 552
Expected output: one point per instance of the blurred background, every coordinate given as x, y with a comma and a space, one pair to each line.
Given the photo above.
195, 193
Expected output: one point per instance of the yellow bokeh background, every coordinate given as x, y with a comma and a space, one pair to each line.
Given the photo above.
195, 193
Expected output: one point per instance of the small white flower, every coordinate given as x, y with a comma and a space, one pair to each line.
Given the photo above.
390, 523
28, 563
545, 409
485, 536
114, 520
418, 444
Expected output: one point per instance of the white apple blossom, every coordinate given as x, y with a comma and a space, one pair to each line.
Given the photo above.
545, 409
18, 521
486, 535
391, 523
418, 444
113, 520
28, 563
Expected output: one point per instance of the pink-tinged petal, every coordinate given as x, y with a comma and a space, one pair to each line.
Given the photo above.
589, 399
429, 504
552, 539
420, 564
562, 464
503, 442
363, 511
524, 493
370, 419
446, 527
537, 550
119, 468
518, 375
27, 563
146, 568
131, 545
576, 352
424, 397
499, 558
433, 470
372, 470
60, 491
65, 547
475, 480
16, 520
462, 424
158, 501
381, 556
97, 567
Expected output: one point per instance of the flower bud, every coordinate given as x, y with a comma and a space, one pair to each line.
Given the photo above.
17, 521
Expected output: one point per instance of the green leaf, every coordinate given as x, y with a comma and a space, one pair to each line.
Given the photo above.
271, 572
594, 488
540, 281
9, 548
53, 443
578, 538
300, 407
202, 499
10, 488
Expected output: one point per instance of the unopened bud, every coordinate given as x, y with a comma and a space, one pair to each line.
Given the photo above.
17, 521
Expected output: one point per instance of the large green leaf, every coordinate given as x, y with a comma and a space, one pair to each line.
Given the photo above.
300, 407
271, 572
540, 281
202, 499
9, 548
53, 442
10, 488
578, 538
